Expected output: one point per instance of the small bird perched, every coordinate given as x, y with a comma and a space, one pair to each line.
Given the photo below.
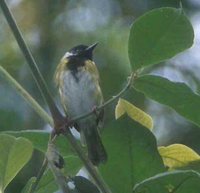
77, 79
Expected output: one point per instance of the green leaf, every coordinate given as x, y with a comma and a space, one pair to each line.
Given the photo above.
40, 138
47, 183
123, 106
72, 164
28, 186
195, 165
15, 153
173, 94
159, 35
132, 155
174, 182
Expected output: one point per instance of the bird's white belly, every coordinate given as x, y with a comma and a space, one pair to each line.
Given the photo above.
79, 93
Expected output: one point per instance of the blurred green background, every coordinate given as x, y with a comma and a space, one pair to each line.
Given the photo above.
52, 27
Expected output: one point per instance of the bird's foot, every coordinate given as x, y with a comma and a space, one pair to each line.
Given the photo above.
63, 126
95, 110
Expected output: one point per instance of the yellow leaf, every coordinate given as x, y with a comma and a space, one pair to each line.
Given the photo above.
177, 155
135, 113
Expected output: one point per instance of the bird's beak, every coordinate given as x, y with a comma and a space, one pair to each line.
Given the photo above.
91, 47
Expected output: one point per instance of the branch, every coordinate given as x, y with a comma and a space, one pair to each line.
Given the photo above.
91, 169
42, 169
57, 116
38, 109
53, 156
88, 164
111, 100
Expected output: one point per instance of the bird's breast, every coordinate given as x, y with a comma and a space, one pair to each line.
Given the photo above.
80, 92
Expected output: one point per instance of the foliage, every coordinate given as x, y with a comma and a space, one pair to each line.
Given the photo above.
15, 153
135, 162
135, 113
137, 147
176, 181
159, 35
163, 91
178, 155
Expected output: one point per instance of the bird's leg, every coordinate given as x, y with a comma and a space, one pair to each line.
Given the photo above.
98, 113
67, 124
63, 125
95, 110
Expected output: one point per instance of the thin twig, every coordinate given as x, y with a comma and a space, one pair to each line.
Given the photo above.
39, 176
57, 116
111, 100
43, 167
53, 157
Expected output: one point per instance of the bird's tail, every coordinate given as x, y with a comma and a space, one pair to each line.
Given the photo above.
96, 151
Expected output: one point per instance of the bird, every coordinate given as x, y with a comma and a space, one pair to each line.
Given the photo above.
77, 80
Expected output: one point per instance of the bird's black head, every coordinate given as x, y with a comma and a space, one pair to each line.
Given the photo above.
82, 51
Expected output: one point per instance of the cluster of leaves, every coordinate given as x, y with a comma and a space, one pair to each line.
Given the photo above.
135, 162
